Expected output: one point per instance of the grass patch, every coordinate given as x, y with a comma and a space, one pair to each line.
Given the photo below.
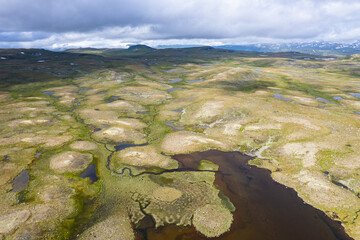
327, 159
248, 86
263, 63
309, 89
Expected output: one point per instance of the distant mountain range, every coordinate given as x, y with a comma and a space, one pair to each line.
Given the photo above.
317, 47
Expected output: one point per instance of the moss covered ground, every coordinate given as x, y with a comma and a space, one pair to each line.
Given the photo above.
299, 117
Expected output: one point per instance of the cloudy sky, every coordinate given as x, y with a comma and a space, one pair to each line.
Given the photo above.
56, 24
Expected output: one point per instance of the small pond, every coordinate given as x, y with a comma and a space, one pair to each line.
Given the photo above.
21, 181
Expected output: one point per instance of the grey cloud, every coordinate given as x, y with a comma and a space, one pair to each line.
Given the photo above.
140, 20
22, 36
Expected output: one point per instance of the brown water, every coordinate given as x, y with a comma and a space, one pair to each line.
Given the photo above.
265, 209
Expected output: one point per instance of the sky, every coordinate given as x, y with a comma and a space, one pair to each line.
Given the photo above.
59, 24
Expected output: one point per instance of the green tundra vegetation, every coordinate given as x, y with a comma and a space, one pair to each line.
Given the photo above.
128, 111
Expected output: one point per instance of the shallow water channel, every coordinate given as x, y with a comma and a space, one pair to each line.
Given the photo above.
265, 209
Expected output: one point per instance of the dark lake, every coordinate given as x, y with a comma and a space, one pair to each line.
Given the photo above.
265, 209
